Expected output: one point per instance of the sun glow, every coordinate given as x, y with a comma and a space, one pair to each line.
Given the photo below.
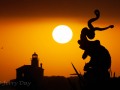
62, 34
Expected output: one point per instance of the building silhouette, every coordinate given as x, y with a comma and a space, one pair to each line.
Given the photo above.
31, 73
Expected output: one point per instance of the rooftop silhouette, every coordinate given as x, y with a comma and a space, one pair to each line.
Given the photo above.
31, 74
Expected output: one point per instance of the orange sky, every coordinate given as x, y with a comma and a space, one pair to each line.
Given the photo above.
23, 34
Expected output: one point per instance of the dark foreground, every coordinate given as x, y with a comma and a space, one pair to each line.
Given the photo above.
61, 83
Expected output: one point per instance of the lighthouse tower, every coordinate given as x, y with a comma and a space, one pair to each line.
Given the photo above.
35, 61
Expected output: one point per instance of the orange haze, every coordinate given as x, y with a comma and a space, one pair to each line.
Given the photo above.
20, 38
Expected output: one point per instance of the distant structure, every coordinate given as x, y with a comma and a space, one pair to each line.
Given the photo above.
31, 73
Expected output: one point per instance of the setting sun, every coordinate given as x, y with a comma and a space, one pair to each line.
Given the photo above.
52, 28
62, 34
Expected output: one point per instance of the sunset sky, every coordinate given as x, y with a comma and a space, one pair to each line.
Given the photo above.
26, 27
